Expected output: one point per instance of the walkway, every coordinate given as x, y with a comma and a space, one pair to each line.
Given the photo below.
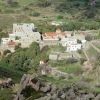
87, 64
86, 55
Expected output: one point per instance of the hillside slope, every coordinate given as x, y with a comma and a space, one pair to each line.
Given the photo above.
74, 13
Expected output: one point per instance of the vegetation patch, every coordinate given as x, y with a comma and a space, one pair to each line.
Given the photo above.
63, 66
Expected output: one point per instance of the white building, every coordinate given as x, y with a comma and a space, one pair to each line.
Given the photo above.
24, 30
68, 41
5, 40
25, 34
73, 47
70, 44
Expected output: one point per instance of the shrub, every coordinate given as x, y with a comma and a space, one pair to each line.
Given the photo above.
3, 34
17, 38
82, 60
44, 53
88, 37
35, 14
71, 60
18, 46
6, 52
80, 51
14, 4
60, 17
10, 72
62, 77
44, 3
26, 8
79, 41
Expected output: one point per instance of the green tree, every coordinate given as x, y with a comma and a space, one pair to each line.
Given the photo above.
34, 50
79, 41
6, 52
44, 53
71, 60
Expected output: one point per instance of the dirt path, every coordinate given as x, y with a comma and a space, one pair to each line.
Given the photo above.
87, 64
86, 55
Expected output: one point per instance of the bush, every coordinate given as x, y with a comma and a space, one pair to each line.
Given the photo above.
26, 8
18, 46
3, 34
44, 53
14, 4
82, 60
10, 72
6, 52
60, 17
35, 14
17, 38
88, 37
71, 60
80, 51
44, 3
79, 41
62, 77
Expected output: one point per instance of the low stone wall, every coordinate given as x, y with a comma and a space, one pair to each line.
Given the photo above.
60, 56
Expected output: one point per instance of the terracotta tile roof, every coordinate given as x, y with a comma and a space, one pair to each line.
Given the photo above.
52, 34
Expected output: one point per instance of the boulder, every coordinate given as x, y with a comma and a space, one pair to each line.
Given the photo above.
53, 89
97, 97
78, 98
54, 96
89, 96
46, 88
63, 96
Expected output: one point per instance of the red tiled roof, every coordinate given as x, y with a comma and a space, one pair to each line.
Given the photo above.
51, 34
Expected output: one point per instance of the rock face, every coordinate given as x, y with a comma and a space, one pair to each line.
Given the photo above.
6, 83
73, 92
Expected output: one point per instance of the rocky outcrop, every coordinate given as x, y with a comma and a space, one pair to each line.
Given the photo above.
52, 92
8, 83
